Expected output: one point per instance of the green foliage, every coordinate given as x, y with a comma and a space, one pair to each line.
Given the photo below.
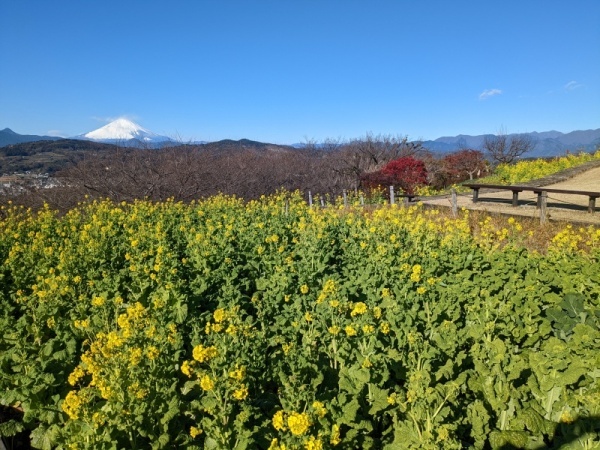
224, 324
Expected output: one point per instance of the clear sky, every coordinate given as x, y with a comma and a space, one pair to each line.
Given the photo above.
285, 71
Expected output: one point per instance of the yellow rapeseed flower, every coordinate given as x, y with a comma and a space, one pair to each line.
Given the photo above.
335, 435
238, 374
384, 327
319, 408
313, 443
359, 308
279, 421
76, 375
206, 383
72, 404
203, 354
152, 352
135, 356
298, 423
240, 393
350, 330
97, 301
219, 315
194, 432
186, 369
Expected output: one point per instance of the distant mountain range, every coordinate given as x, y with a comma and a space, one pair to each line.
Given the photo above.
52, 156
9, 137
124, 132
547, 143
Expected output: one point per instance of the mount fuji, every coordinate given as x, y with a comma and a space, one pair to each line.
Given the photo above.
124, 131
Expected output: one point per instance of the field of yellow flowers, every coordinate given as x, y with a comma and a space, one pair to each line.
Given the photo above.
527, 170
271, 325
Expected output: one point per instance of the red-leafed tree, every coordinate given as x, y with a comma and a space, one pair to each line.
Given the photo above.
465, 164
405, 173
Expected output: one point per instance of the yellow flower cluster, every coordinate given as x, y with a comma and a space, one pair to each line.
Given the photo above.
207, 383
415, 276
358, 309
72, 404
329, 289
203, 354
319, 409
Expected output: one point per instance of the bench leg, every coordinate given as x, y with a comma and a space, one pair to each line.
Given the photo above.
475, 195
592, 205
515, 201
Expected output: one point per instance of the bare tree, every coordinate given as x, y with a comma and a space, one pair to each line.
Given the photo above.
465, 162
359, 156
504, 148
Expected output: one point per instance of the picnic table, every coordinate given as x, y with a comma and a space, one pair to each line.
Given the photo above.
539, 190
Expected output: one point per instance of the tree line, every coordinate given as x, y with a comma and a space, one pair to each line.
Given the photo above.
188, 172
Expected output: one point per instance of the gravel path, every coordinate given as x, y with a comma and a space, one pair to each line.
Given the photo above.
565, 207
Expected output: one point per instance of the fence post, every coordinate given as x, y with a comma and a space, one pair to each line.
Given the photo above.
454, 203
392, 198
345, 199
362, 200
310, 202
322, 202
543, 202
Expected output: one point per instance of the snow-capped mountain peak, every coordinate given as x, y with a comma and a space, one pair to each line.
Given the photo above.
123, 130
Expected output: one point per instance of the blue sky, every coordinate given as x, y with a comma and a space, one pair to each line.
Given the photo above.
287, 71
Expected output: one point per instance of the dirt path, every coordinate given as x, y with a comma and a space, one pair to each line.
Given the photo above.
560, 206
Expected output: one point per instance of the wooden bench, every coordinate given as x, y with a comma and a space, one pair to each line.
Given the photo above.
537, 190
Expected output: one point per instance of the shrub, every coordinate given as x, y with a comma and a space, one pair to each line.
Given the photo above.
405, 173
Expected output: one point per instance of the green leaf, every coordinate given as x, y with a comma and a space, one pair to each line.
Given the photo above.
555, 315
573, 304
162, 441
536, 423
379, 399
11, 428
210, 443
511, 439
350, 410
172, 412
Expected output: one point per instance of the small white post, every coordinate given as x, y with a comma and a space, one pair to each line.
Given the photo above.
543, 204
454, 203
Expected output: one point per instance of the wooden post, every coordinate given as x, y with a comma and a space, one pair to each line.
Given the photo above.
592, 205
310, 201
515, 200
392, 198
345, 199
454, 203
475, 195
543, 202
362, 200
322, 202
287, 206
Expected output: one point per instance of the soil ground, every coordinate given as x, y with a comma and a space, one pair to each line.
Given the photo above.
563, 207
